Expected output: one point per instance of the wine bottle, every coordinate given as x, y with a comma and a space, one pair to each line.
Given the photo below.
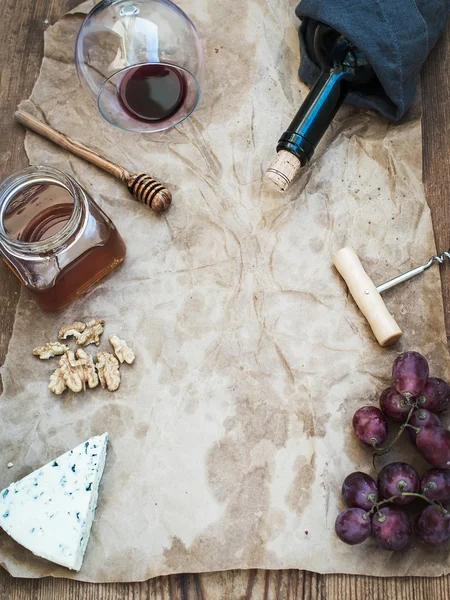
344, 68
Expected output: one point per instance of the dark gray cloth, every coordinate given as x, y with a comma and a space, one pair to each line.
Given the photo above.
395, 35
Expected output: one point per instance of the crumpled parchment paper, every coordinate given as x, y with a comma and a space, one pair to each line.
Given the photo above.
231, 434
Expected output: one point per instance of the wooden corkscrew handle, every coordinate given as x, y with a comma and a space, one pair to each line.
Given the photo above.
367, 297
142, 186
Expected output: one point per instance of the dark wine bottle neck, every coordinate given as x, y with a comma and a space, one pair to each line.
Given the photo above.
344, 66
315, 114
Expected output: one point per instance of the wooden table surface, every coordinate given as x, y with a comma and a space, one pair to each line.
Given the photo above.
21, 48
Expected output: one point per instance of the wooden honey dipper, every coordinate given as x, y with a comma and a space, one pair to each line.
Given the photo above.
368, 296
143, 187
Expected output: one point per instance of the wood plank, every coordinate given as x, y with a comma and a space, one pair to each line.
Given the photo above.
20, 58
436, 157
234, 585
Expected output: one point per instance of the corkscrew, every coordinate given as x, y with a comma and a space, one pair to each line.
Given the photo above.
368, 296
142, 186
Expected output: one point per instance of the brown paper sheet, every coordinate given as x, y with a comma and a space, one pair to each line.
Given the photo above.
231, 434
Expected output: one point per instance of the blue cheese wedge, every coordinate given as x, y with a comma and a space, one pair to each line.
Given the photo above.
50, 511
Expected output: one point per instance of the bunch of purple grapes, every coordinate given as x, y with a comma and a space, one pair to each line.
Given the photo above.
414, 400
375, 508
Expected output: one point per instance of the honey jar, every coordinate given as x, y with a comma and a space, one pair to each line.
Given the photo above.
54, 237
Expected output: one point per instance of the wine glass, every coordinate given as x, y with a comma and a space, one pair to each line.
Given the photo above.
142, 61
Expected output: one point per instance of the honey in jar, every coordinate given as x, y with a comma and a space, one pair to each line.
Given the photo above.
54, 237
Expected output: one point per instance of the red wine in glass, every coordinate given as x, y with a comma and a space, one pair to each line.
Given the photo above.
152, 92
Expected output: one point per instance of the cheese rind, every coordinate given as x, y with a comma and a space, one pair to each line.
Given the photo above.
50, 511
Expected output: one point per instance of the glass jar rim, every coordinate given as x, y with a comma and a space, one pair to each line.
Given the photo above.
134, 66
24, 178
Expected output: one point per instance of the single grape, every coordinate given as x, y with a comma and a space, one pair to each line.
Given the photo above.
433, 442
435, 395
421, 418
432, 527
391, 528
396, 478
370, 426
353, 526
360, 491
395, 406
410, 373
435, 485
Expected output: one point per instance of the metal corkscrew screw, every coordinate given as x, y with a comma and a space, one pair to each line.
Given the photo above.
413, 272
367, 295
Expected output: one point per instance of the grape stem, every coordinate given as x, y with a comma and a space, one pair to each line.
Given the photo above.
382, 451
416, 429
376, 507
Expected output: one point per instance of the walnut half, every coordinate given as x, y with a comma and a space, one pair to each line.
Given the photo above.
121, 349
72, 371
92, 333
72, 330
89, 373
108, 371
50, 350
57, 384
